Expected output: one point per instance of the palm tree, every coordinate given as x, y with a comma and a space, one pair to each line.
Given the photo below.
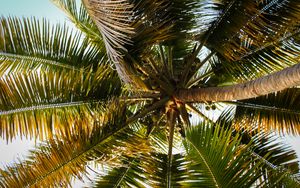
118, 95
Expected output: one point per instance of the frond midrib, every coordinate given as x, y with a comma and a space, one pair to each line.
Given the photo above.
213, 177
76, 156
257, 50
266, 7
263, 107
124, 174
76, 20
12, 57
274, 167
47, 106
218, 21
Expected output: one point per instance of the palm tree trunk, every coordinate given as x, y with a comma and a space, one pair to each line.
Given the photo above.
283, 79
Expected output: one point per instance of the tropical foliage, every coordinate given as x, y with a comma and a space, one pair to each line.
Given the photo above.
120, 95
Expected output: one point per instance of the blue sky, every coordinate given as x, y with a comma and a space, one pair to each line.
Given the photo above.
38, 8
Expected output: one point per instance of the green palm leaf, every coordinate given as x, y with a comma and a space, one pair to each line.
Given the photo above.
218, 158
269, 58
247, 31
157, 170
80, 18
252, 38
281, 153
278, 111
150, 169
113, 21
128, 175
31, 38
10, 64
130, 28
44, 103
281, 165
58, 161
282, 161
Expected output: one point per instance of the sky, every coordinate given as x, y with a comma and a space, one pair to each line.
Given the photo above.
45, 9
38, 8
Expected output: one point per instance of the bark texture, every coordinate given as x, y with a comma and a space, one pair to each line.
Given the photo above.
283, 79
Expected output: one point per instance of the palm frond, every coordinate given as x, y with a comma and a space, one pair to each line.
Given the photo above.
150, 168
77, 14
287, 43
130, 174
276, 55
42, 165
214, 14
113, 19
171, 121
29, 37
281, 163
10, 64
251, 24
50, 158
274, 112
129, 24
146, 170
156, 169
181, 17
132, 27
159, 136
35, 88
58, 161
271, 57
281, 154
41, 103
252, 38
219, 159
44, 121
